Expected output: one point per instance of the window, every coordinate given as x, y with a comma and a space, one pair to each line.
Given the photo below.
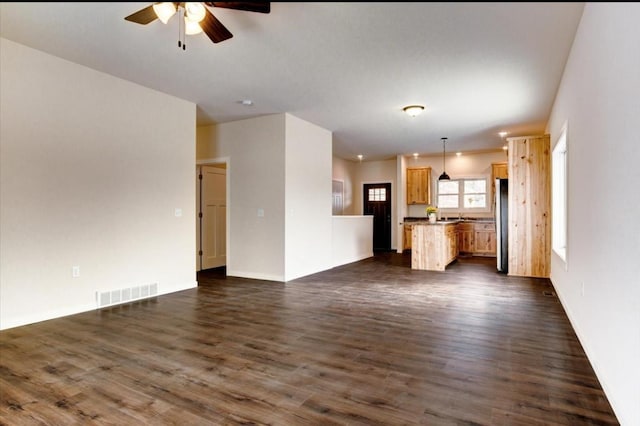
377, 194
559, 196
463, 194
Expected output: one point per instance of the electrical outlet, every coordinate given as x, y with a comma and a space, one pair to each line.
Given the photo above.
75, 271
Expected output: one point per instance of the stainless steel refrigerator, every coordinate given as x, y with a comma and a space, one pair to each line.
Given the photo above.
502, 225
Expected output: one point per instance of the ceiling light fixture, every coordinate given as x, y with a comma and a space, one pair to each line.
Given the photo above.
413, 110
164, 11
191, 27
194, 12
444, 175
360, 157
503, 134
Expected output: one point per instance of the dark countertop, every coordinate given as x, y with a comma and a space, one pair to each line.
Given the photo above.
462, 220
439, 222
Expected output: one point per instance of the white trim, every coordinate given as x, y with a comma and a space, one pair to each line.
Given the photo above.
560, 252
59, 313
255, 276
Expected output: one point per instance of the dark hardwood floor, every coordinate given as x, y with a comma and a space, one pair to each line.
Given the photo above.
370, 343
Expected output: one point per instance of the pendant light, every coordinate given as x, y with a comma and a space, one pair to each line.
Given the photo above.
444, 175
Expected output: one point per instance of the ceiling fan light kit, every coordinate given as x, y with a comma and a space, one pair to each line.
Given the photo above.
197, 18
164, 11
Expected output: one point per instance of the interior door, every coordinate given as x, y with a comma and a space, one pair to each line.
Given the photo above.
377, 202
213, 217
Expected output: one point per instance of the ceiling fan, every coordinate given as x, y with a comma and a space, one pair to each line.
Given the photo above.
195, 16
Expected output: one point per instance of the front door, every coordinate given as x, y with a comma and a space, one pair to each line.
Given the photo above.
377, 202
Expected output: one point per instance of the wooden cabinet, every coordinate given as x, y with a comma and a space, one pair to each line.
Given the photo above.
451, 237
484, 239
466, 233
433, 246
477, 239
529, 206
406, 245
499, 170
419, 185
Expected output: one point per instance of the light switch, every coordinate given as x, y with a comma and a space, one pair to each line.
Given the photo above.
178, 212
260, 212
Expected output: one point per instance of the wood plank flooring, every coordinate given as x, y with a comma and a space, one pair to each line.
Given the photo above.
369, 343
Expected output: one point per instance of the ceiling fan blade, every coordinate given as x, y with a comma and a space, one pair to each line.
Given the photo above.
143, 16
214, 28
249, 6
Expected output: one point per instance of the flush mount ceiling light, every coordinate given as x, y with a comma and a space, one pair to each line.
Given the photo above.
444, 175
413, 110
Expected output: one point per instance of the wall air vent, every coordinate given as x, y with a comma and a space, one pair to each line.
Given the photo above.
123, 295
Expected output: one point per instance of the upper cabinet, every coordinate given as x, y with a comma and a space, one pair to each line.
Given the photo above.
499, 170
419, 185
529, 206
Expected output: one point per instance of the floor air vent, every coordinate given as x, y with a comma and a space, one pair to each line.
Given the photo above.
124, 295
549, 293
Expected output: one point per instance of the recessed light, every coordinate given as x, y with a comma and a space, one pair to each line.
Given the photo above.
247, 102
360, 157
458, 153
415, 155
503, 134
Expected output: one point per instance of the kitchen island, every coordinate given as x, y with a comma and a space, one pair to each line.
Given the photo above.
433, 245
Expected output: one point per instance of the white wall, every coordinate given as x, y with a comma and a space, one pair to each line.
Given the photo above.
92, 169
599, 100
344, 170
352, 239
308, 201
256, 171
465, 166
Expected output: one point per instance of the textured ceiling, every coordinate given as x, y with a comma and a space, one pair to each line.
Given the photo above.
478, 68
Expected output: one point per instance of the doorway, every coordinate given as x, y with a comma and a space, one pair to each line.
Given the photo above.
212, 216
377, 202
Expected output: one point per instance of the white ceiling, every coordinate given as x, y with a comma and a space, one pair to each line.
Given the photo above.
478, 68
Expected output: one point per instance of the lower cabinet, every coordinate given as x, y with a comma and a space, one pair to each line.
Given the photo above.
451, 236
434, 246
406, 241
466, 232
477, 239
485, 239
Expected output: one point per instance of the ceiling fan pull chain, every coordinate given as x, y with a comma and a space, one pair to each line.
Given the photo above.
179, 41
184, 29
181, 37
